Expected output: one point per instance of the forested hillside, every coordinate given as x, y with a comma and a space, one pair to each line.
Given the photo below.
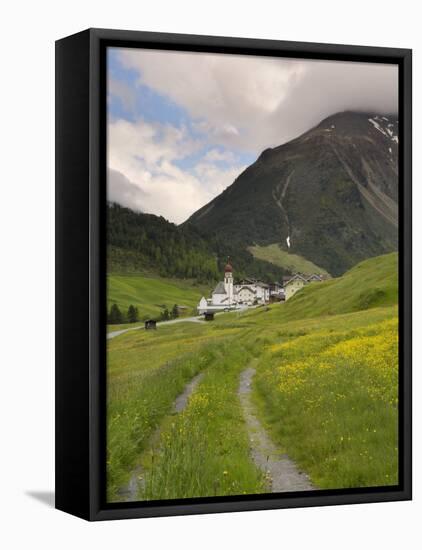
144, 243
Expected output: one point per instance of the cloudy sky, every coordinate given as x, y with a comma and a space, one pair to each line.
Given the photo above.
183, 126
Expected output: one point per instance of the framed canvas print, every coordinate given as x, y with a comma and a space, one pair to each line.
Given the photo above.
233, 274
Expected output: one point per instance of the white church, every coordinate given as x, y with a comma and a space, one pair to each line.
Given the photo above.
228, 296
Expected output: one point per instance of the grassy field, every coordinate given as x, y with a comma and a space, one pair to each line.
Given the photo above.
336, 393
292, 262
152, 294
325, 388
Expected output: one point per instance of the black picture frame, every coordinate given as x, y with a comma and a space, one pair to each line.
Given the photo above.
81, 269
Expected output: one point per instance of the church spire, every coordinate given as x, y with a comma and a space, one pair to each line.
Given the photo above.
228, 281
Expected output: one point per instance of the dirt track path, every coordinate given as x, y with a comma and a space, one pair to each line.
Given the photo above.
129, 492
281, 472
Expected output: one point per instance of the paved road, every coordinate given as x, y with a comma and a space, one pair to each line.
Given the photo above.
196, 319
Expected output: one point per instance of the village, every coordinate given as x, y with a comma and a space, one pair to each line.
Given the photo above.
231, 295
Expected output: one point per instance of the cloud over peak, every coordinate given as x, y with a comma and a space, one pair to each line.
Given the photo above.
250, 102
182, 126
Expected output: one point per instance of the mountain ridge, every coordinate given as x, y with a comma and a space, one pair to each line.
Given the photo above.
329, 195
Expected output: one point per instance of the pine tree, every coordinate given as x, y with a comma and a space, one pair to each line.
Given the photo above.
165, 315
132, 314
175, 312
115, 316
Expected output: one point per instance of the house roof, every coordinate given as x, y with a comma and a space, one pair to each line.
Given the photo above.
262, 285
295, 278
314, 277
246, 288
219, 289
305, 278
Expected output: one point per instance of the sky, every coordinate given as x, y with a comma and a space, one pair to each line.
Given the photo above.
182, 126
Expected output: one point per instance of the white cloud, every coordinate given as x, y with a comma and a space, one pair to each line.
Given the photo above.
143, 173
216, 179
228, 94
214, 155
124, 192
251, 103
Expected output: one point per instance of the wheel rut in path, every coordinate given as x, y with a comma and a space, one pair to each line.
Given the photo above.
281, 472
129, 492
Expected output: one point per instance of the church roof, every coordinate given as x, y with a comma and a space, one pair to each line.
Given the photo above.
246, 282
219, 289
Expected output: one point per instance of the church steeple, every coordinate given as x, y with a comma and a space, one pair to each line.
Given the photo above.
228, 280
228, 268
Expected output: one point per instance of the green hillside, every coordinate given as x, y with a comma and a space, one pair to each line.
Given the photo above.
152, 294
292, 263
372, 283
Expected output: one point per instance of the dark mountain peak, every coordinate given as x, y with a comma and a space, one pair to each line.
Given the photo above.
329, 196
265, 154
342, 125
359, 123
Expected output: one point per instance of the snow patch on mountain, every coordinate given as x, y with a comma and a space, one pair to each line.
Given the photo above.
386, 130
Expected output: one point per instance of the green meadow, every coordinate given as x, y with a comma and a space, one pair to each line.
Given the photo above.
274, 254
151, 295
325, 389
